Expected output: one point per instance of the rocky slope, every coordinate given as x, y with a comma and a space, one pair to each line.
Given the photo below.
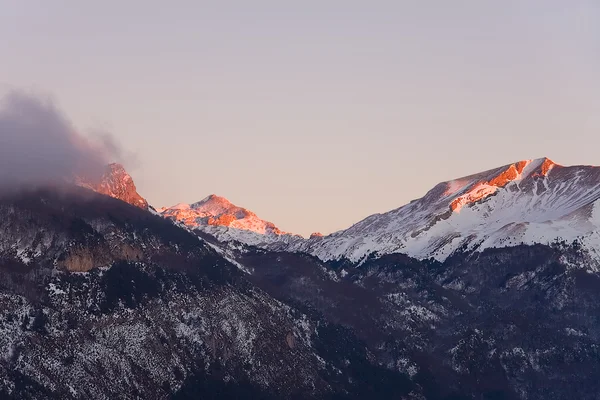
116, 182
100, 299
508, 323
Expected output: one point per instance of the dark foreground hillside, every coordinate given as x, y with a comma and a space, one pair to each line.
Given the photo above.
100, 299
520, 322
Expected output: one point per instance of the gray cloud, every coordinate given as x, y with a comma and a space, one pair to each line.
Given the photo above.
38, 144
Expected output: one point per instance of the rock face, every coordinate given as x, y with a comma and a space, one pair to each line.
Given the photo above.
117, 183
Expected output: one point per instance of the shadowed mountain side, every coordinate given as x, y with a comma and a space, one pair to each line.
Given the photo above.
101, 299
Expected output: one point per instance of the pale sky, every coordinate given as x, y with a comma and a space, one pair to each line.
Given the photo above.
315, 114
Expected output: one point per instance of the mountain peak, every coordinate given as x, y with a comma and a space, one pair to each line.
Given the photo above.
213, 199
116, 168
116, 182
217, 211
547, 165
474, 188
526, 202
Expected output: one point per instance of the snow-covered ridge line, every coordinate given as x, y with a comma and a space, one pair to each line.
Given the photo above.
531, 201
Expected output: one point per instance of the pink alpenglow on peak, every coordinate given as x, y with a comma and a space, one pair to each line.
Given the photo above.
117, 183
478, 189
219, 217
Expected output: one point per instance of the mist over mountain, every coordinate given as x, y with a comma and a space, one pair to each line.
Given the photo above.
39, 145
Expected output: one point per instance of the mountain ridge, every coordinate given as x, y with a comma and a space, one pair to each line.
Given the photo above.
528, 201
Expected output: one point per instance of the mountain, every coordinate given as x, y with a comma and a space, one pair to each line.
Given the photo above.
101, 299
217, 216
488, 317
505, 323
116, 182
527, 202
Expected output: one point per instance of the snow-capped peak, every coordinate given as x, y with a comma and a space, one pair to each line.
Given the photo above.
217, 205
474, 190
530, 201
218, 216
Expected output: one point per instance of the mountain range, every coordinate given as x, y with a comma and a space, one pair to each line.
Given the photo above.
527, 202
484, 288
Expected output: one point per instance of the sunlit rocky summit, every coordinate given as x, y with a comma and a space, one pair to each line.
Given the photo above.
219, 217
115, 182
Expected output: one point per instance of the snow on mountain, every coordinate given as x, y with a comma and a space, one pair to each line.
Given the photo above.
219, 217
532, 201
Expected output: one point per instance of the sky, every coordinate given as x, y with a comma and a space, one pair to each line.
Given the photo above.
314, 114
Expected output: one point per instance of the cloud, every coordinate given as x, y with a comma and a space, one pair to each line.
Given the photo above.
38, 145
